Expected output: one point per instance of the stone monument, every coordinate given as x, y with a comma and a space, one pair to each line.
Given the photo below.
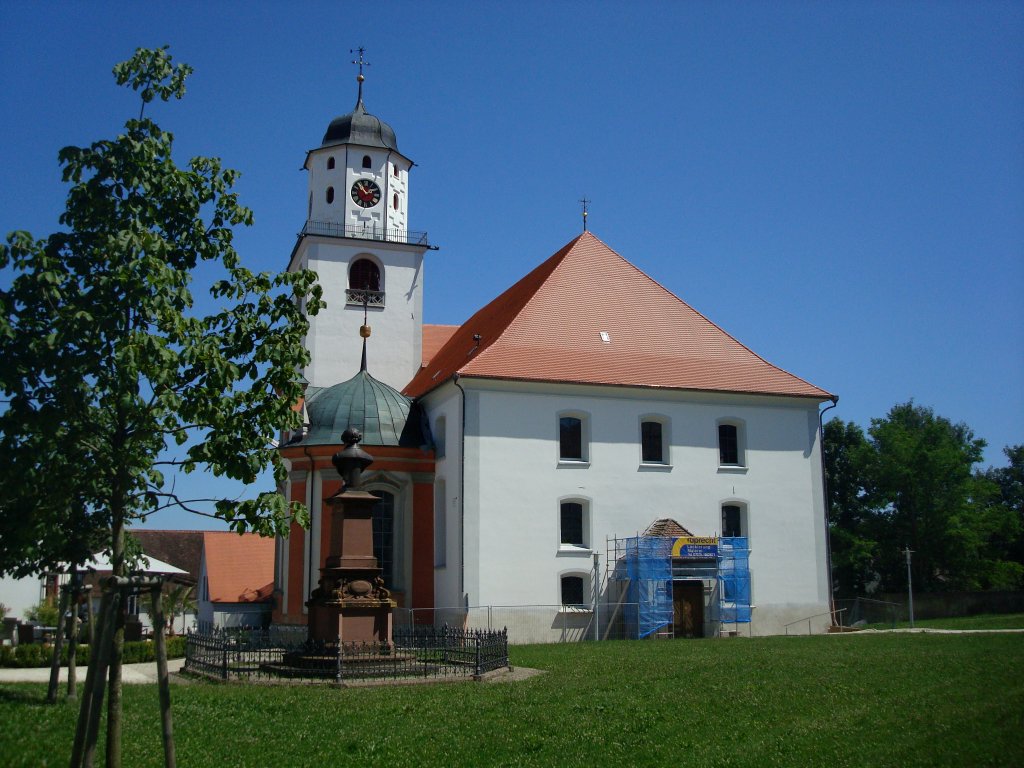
351, 602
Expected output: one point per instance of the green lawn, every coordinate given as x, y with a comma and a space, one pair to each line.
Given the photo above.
866, 700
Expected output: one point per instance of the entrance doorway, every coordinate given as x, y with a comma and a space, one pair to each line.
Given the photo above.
688, 608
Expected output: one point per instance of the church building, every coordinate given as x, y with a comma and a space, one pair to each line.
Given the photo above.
517, 455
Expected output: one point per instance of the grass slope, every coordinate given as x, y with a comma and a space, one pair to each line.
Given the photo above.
981, 621
880, 700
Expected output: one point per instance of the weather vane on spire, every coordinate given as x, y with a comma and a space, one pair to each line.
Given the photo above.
362, 63
585, 202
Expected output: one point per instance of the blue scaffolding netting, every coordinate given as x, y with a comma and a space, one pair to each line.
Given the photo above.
649, 570
734, 577
646, 567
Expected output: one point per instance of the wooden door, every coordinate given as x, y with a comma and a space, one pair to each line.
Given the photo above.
688, 608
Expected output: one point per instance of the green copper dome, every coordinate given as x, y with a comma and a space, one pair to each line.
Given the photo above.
384, 415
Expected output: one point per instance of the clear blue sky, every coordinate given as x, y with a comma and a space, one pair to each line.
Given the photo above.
839, 186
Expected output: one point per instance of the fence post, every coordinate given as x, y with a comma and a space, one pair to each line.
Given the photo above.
337, 663
223, 656
478, 641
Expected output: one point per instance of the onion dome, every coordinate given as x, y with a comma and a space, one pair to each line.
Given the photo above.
384, 415
360, 127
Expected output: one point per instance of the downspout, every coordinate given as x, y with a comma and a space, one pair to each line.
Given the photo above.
824, 490
462, 490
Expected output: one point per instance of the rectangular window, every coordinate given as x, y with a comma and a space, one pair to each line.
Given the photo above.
728, 445
732, 520
440, 437
572, 590
651, 450
383, 536
570, 438
440, 525
572, 524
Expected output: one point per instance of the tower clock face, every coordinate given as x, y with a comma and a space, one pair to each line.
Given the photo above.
365, 193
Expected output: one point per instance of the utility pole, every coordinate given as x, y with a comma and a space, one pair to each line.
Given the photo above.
910, 586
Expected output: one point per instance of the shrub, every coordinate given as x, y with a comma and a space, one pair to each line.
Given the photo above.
40, 655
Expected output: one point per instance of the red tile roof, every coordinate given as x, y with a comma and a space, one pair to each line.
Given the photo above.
551, 326
183, 549
435, 337
239, 568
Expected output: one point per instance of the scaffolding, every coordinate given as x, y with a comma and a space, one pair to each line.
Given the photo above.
641, 570
734, 577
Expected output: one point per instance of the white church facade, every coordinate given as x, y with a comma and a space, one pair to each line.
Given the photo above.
512, 450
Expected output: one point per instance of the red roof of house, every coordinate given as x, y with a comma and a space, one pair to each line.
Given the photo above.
588, 316
239, 568
434, 338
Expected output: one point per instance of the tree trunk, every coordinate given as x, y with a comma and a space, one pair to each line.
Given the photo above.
116, 647
73, 627
163, 678
58, 644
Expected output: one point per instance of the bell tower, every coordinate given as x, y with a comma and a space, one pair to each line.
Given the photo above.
356, 238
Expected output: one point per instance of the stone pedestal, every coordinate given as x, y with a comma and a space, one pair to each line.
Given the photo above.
351, 601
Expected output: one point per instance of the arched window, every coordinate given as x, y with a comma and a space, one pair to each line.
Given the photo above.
330, 162
734, 519
573, 590
367, 162
364, 276
571, 524
384, 536
394, 201
330, 195
654, 440
365, 284
394, 169
440, 437
572, 438
731, 444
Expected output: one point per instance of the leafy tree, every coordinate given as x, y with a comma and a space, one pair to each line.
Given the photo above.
847, 457
111, 374
1004, 518
45, 612
923, 487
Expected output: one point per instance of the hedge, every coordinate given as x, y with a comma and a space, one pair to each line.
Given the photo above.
40, 654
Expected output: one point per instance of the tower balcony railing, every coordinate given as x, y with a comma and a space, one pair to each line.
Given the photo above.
364, 232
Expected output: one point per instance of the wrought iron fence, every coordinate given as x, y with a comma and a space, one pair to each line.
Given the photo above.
364, 232
285, 653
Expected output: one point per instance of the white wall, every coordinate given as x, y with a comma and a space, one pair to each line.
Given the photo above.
394, 351
446, 403
514, 482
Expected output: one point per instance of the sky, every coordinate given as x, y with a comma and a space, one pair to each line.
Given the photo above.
840, 186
